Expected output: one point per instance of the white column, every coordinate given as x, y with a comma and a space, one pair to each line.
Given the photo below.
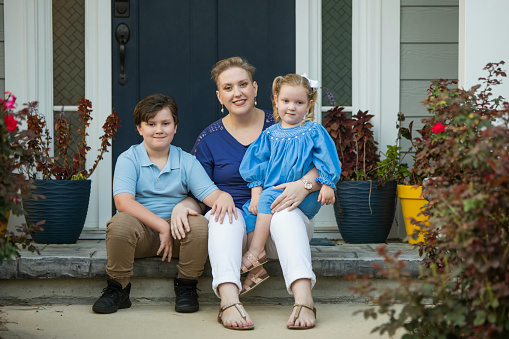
308, 44
482, 39
375, 65
29, 53
98, 89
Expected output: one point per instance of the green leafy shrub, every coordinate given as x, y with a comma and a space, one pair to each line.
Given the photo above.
463, 288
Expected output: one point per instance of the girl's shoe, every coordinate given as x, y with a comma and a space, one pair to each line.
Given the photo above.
296, 316
254, 279
254, 262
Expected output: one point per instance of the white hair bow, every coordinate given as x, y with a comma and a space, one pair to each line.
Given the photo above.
313, 83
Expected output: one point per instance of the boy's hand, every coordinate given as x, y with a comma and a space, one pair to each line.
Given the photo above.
253, 206
224, 204
166, 246
326, 195
180, 222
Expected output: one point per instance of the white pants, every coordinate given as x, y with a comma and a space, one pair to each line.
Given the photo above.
290, 233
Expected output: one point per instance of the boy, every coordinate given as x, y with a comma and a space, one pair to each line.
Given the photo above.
149, 180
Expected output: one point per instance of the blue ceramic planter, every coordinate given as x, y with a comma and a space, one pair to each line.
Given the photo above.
64, 210
365, 213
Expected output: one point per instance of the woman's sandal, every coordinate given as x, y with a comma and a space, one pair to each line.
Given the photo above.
242, 314
296, 316
254, 261
254, 279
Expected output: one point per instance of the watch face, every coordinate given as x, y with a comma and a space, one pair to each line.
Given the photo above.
308, 185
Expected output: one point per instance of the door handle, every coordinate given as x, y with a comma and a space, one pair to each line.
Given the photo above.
122, 35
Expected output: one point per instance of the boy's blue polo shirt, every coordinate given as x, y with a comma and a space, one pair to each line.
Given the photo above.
160, 191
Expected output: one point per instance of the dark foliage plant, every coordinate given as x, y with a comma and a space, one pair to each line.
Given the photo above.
355, 143
463, 287
13, 185
65, 165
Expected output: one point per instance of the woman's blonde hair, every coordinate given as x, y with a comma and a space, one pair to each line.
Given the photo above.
223, 65
293, 80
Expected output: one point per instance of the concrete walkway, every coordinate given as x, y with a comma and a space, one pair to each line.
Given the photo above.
161, 321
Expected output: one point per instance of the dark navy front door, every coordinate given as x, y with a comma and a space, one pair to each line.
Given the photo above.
173, 45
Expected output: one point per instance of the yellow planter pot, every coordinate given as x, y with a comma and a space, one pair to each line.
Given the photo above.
3, 224
412, 203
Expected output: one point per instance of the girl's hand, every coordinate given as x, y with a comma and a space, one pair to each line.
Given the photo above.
253, 206
326, 195
179, 221
224, 204
294, 193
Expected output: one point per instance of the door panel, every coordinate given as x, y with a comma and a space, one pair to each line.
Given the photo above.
173, 46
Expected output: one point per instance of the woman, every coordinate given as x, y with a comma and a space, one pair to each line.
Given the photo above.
220, 149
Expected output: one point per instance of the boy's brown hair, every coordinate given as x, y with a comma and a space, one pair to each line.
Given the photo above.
148, 108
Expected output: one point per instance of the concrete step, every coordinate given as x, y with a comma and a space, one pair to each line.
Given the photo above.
76, 274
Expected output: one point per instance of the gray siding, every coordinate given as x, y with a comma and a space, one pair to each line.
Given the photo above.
429, 50
2, 52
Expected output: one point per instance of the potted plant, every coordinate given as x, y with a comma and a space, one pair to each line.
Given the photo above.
62, 180
410, 184
13, 186
366, 195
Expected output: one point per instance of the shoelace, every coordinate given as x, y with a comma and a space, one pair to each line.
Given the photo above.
109, 290
187, 291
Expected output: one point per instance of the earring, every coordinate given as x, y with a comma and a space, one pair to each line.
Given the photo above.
222, 108
255, 102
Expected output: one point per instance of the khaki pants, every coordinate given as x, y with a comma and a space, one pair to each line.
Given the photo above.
127, 238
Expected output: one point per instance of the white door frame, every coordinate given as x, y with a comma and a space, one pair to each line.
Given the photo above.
375, 65
29, 76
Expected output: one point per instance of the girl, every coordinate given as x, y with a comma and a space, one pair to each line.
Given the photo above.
283, 153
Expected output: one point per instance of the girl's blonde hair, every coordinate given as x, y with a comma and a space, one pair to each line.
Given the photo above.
293, 80
223, 65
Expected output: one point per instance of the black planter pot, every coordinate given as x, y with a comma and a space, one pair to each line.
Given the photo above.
363, 212
64, 210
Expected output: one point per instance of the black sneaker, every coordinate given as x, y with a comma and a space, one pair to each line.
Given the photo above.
186, 298
113, 298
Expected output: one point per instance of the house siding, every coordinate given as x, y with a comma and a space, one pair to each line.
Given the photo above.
2, 52
429, 50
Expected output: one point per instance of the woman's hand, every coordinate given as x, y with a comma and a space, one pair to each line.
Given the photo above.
179, 221
294, 193
224, 205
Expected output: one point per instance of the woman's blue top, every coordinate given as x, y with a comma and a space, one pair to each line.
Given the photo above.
221, 154
282, 155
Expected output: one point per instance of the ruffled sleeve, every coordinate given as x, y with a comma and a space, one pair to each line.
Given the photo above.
253, 167
325, 158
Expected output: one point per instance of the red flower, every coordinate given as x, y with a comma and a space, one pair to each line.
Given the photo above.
438, 127
10, 122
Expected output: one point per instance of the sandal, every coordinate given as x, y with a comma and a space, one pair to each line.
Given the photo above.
242, 314
294, 327
254, 261
254, 279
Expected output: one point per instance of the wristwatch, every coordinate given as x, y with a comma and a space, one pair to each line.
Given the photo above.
307, 184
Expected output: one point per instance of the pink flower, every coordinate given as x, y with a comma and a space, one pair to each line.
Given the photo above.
438, 127
10, 122
9, 103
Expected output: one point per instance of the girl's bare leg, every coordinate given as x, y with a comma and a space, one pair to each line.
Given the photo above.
229, 294
260, 234
302, 293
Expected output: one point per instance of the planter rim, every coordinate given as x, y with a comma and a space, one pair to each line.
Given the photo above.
410, 192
